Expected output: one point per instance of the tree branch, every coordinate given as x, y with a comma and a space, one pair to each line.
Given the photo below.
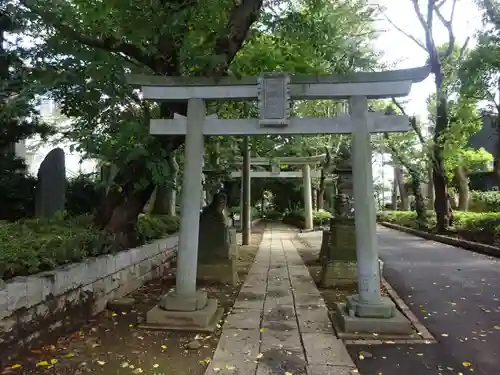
241, 18
448, 24
427, 26
415, 40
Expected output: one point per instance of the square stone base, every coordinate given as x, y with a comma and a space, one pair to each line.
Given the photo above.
224, 272
204, 320
338, 273
396, 325
383, 309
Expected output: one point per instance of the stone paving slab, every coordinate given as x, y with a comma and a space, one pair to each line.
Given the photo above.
279, 322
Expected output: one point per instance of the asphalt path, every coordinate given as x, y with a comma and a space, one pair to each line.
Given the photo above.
455, 293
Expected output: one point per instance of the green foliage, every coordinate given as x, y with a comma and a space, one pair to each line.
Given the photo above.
476, 226
484, 201
17, 189
83, 195
296, 217
34, 245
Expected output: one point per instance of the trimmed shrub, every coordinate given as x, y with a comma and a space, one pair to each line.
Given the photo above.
30, 246
484, 201
481, 227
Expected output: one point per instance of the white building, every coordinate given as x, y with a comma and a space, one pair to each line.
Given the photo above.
34, 152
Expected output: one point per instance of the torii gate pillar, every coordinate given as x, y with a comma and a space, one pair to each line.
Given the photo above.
368, 303
308, 210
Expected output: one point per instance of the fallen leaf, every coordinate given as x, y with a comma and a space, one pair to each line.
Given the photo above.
444, 334
230, 367
259, 356
102, 363
261, 330
138, 370
42, 364
361, 356
156, 365
69, 355
164, 347
420, 354
466, 364
16, 366
124, 364
288, 373
216, 369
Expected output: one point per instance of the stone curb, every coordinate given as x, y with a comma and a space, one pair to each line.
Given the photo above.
464, 244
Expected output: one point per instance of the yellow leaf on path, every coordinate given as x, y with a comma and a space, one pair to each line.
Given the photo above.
420, 354
164, 347
138, 370
466, 364
69, 355
42, 364
259, 356
261, 330
216, 369
230, 367
288, 373
444, 334
114, 314
102, 363
156, 365
361, 356
124, 364
53, 361
17, 365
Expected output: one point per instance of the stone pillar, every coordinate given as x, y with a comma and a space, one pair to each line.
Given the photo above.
186, 308
368, 303
246, 213
308, 211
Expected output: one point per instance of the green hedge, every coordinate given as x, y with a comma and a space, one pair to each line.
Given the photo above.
33, 245
481, 227
296, 217
484, 201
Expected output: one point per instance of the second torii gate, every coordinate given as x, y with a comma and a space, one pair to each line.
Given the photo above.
190, 307
306, 174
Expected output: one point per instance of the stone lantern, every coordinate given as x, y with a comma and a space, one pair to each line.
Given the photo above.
338, 249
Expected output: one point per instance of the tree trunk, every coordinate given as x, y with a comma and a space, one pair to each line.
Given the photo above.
314, 192
166, 196
430, 188
321, 192
405, 202
441, 202
394, 201
125, 200
419, 199
463, 188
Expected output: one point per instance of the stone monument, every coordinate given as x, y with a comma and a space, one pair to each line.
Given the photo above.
217, 254
50, 194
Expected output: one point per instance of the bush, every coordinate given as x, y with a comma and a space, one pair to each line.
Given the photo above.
296, 217
474, 226
273, 215
484, 201
83, 195
34, 245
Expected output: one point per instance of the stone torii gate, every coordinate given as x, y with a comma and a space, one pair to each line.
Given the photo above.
190, 308
306, 174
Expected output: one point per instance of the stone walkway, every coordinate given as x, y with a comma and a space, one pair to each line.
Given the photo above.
279, 324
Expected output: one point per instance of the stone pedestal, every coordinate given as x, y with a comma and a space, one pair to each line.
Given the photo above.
185, 313
338, 253
217, 247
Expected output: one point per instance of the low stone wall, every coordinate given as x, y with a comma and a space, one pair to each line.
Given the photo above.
52, 302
